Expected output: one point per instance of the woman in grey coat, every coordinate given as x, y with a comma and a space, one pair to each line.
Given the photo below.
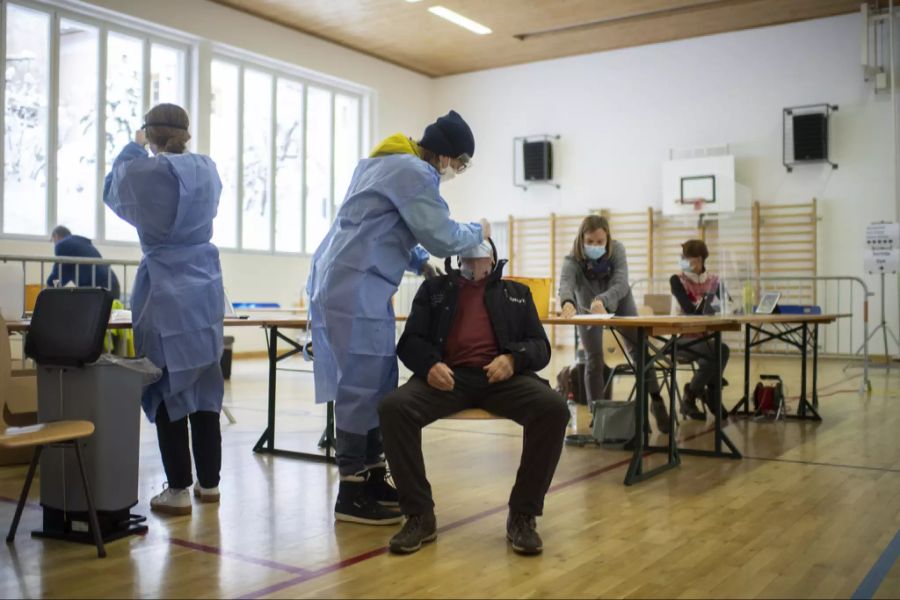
594, 279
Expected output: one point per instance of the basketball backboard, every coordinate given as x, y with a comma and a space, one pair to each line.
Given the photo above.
703, 185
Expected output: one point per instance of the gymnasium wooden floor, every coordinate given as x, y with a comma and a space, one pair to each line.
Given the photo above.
808, 512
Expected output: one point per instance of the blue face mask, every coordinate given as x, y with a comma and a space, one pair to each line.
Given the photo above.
685, 265
594, 252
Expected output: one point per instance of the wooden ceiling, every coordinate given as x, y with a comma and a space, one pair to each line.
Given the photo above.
406, 34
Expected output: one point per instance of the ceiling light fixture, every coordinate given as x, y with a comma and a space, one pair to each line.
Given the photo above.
458, 19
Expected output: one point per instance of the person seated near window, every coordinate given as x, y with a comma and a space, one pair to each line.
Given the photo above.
473, 340
66, 244
697, 293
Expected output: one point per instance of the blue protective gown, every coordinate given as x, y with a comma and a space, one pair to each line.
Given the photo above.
393, 202
178, 303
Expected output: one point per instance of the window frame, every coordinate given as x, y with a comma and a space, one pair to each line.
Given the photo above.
243, 60
149, 35
198, 55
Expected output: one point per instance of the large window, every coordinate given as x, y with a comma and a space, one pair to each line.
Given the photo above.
285, 142
84, 85
286, 149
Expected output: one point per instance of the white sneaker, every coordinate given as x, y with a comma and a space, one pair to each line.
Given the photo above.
172, 501
206, 494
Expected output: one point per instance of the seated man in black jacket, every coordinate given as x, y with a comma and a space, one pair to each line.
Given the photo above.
473, 340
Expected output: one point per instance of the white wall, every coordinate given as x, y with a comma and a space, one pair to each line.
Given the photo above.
620, 112
401, 102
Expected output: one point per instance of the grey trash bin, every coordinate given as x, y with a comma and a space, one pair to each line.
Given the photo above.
107, 393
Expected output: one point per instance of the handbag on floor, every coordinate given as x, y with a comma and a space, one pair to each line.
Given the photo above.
613, 422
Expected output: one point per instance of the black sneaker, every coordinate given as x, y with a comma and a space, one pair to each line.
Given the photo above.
377, 487
418, 530
521, 530
658, 408
354, 505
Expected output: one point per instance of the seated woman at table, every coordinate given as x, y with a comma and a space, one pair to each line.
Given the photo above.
697, 293
594, 279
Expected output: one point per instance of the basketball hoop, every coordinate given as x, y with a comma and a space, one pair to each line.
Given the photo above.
696, 203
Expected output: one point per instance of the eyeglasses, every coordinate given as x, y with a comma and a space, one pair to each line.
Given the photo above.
465, 161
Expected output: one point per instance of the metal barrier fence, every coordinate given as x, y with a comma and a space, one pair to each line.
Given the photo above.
37, 269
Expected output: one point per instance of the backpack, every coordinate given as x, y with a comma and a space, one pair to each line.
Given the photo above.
570, 383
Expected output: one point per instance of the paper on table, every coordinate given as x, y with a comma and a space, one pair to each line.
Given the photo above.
592, 317
120, 315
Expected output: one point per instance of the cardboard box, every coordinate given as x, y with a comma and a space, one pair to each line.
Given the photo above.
19, 410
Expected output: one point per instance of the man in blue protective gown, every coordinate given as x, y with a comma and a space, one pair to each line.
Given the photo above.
392, 216
178, 300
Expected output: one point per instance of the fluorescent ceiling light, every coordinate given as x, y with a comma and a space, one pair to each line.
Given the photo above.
411, 1
458, 19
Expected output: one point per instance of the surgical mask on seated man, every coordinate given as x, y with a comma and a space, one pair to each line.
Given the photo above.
476, 269
477, 262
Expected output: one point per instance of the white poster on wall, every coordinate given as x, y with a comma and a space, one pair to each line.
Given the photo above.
882, 261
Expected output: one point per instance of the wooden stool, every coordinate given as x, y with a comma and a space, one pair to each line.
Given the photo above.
473, 414
60, 434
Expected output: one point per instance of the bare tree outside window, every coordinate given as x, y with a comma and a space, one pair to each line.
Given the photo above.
26, 121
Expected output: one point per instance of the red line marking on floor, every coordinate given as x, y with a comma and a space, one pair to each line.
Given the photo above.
277, 587
347, 562
304, 575
241, 557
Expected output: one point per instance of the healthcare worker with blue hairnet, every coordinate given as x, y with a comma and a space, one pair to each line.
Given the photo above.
178, 300
392, 210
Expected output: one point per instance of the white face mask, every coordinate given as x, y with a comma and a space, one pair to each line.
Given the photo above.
447, 174
476, 269
686, 265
